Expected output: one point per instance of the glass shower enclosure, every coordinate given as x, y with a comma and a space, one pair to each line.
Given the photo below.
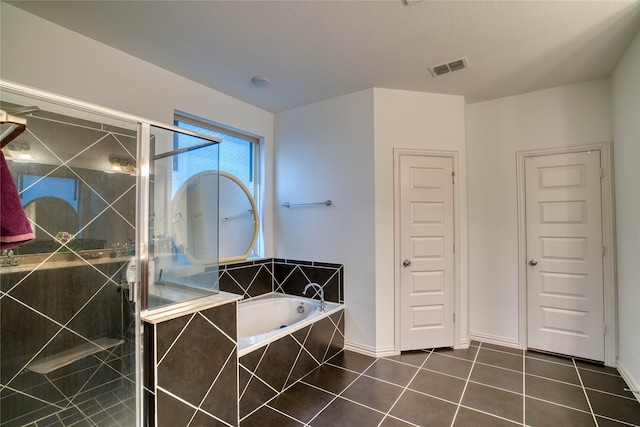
105, 202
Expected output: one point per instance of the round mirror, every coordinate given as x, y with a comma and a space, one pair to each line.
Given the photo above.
52, 214
208, 230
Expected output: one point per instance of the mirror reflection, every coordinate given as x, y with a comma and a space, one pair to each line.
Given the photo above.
68, 184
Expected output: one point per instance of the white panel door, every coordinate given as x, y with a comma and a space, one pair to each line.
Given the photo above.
565, 283
426, 252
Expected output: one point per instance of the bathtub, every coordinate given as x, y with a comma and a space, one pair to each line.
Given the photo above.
269, 317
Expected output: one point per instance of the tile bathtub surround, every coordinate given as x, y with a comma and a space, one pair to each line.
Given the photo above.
196, 365
484, 385
253, 278
267, 371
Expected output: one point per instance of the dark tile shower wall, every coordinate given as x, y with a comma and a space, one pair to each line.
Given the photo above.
49, 311
253, 278
48, 307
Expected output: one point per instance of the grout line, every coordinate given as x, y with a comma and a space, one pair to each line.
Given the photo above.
282, 413
465, 385
554, 380
633, 399
500, 351
490, 414
524, 388
551, 402
337, 395
617, 421
174, 340
595, 420
406, 387
499, 367
496, 387
600, 372
443, 373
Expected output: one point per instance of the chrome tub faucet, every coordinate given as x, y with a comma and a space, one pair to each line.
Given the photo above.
320, 292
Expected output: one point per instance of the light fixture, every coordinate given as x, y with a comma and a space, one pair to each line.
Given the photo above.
122, 166
129, 168
260, 81
21, 153
115, 165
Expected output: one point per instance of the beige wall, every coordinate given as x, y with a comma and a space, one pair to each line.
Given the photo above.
576, 114
325, 151
625, 84
414, 120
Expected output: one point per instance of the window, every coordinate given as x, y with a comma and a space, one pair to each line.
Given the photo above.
238, 154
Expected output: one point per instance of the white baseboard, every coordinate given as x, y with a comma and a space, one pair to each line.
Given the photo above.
631, 382
368, 350
494, 339
463, 343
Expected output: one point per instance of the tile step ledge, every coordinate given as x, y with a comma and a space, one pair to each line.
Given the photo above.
66, 357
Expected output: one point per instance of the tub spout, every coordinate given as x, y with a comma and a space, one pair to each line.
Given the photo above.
319, 292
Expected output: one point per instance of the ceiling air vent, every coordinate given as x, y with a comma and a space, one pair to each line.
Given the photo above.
458, 64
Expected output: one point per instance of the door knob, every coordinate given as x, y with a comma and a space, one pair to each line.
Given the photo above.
533, 262
406, 263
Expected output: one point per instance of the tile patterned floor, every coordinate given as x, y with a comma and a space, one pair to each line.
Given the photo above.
484, 385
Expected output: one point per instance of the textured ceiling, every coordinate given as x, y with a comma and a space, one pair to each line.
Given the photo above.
315, 50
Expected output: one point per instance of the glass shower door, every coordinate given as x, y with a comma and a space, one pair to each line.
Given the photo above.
68, 334
184, 218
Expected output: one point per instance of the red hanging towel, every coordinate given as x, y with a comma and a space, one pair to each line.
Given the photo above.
15, 228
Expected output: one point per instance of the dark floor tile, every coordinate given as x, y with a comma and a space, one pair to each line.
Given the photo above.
502, 348
448, 365
475, 343
497, 377
605, 382
549, 357
352, 361
266, 416
438, 385
344, 413
301, 401
460, 353
493, 401
606, 422
199, 419
614, 407
469, 418
556, 392
390, 421
597, 367
544, 414
373, 393
423, 410
554, 371
500, 359
330, 378
415, 358
50, 421
394, 372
